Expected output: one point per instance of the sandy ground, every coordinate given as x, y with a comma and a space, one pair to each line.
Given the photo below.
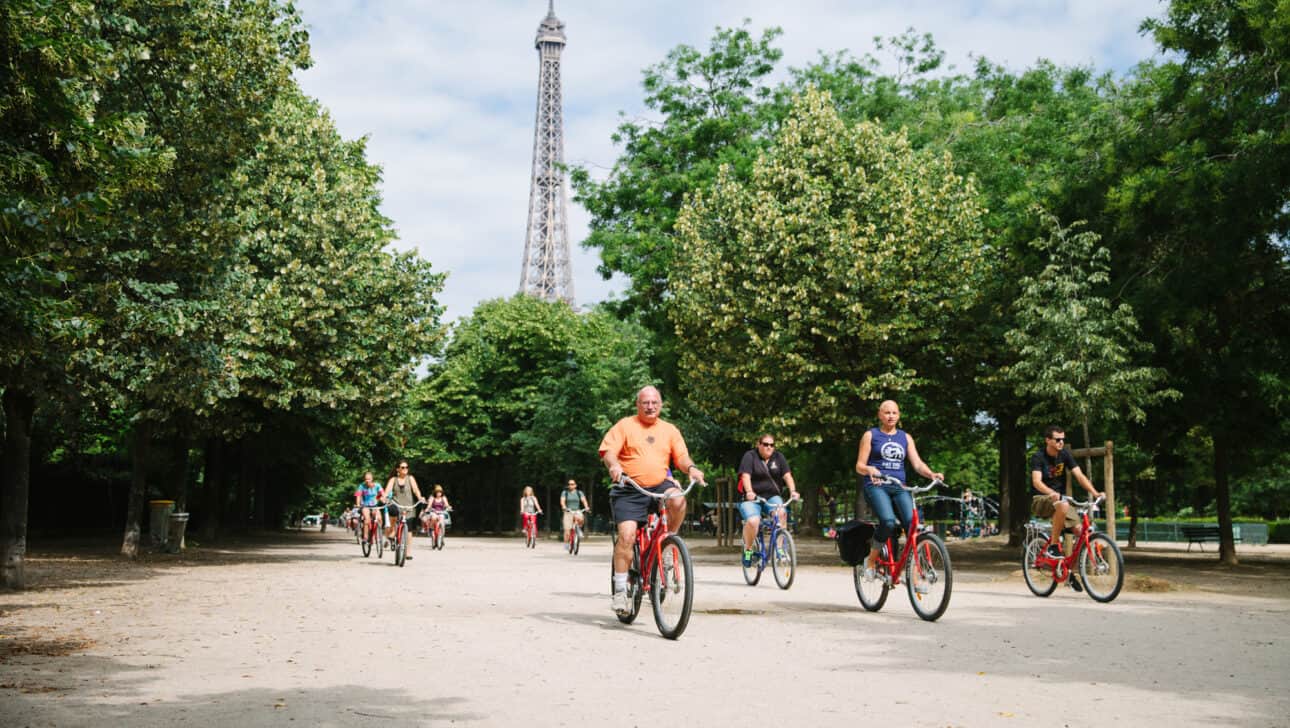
300, 629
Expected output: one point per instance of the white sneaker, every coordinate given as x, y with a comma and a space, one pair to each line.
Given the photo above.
619, 603
668, 558
869, 573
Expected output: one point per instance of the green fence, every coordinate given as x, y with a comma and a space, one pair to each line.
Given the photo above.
1245, 533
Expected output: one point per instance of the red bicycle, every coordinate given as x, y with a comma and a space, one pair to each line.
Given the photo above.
530, 529
372, 531
925, 562
1095, 555
573, 539
401, 534
661, 566
435, 524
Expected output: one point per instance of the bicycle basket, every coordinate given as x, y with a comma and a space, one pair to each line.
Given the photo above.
854, 539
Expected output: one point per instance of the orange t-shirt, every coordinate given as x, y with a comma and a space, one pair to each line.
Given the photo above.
645, 452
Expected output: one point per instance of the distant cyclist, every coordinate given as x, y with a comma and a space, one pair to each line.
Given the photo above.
368, 498
436, 510
572, 500
642, 446
761, 471
529, 508
402, 495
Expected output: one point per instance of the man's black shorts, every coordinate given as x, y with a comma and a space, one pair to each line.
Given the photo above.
629, 504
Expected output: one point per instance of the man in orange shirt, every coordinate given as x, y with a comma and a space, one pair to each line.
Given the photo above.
642, 446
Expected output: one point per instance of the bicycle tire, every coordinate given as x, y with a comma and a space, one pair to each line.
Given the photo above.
634, 591
577, 541
1103, 575
1039, 579
784, 567
366, 543
672, 589
752, 571
929, 577
380, 543
872, 592
437, 541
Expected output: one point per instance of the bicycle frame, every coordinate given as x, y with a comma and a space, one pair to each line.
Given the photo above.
894, 566
767, 531
1065, 566
649, 538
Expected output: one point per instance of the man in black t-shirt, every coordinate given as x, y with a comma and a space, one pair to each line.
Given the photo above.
761, 471
1048, 468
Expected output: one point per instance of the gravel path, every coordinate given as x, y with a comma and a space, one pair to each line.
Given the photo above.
300, 628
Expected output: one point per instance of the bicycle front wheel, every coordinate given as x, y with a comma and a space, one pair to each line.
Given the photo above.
401, 548
783, 558
1101, 568
671, 587
576, 540
929, 578
1039, 579
366, 543
379, 538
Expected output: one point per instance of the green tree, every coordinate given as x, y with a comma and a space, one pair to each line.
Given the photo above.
831, 279
65, 159
1201, 217
1077, 352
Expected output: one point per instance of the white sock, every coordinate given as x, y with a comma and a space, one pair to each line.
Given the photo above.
620, 581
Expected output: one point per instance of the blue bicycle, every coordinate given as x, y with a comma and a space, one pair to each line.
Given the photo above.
775, 547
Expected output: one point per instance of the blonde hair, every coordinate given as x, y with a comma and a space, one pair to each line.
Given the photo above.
438, 488
528, 491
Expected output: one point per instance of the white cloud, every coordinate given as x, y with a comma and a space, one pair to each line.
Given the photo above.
446, 92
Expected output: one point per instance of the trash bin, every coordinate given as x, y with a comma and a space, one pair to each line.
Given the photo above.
175, 540
159, 519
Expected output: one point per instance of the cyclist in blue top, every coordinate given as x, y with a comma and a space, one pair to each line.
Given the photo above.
883, 452
368, 496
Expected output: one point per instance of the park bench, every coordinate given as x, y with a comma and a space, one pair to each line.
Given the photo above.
1200, 534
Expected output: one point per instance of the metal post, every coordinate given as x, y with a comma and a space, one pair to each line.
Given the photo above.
1108, 475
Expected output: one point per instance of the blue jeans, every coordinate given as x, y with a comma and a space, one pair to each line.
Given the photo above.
885, 499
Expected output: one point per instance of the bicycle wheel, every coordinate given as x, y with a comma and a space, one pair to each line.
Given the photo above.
366, 543
577, 540
752, 571
1101, 568
379, 537
438, 537
873, 590
530, 537
1039, 579
929, 578
671, 591
634, 592
401, 547
783, 558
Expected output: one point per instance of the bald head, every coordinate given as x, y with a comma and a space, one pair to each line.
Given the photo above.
888, 415
648, 405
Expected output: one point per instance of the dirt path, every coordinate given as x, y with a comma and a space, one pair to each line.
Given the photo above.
301, 629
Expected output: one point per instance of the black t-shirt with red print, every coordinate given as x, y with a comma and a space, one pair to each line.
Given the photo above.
1053, 469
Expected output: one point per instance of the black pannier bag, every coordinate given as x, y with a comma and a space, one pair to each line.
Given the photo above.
854, 540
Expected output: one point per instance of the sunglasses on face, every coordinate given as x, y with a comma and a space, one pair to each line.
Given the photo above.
766, 444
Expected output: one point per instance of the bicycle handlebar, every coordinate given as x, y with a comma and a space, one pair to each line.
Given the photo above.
782, 506
934, 483
625, 481
1085, 504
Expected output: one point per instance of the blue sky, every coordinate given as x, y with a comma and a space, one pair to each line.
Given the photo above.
445, 91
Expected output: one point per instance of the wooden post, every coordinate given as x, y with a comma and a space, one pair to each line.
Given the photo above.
1108, 475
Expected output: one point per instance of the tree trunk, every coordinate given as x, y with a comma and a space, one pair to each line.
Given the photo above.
1133, 514
1223, 498
1088, 445
261, 502
140, 450
1014, 505
213, 501
19, 406
245, 479
178, 478
808, 524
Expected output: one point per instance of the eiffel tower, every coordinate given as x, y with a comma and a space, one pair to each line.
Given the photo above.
546, 273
